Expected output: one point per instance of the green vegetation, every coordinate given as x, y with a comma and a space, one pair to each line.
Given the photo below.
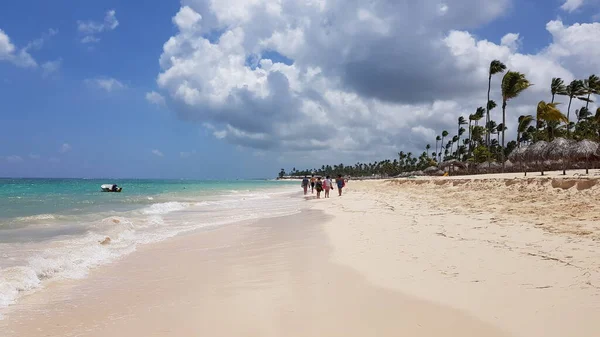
486, 143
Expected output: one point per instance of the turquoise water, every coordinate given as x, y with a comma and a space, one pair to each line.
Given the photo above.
30, 197
52, 229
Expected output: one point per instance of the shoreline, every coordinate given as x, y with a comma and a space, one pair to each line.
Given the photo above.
269, 277
404, 256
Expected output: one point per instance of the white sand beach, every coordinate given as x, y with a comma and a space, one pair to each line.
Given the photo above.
426, 257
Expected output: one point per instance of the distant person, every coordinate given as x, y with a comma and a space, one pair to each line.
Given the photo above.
319, 187
305, 184
312, 183
327, 186
340, 184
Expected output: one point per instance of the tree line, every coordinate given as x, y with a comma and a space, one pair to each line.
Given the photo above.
478, 138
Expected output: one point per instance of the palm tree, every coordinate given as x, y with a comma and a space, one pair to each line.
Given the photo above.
575, 89
523, 123
557, 87
427, 149
454, 140
444, 135
548, 112
461, 121
496, 67
437, 139
591, 86
513, 84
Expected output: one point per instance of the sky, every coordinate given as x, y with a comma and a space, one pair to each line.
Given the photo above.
228, 89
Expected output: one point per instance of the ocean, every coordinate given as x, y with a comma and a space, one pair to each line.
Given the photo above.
52, 229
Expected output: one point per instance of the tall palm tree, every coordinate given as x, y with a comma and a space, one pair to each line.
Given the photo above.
548, 112
523, 123
427, 149
454, 140
496, 67
575, 89
437, 139
461, 121
513, 84
557, 87
444, 135
591, 86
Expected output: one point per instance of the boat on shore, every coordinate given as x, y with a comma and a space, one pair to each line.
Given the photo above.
110, 188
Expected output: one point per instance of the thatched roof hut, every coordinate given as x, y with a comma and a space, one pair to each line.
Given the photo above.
518, 154
584, 150
559, 149
453, 162
430, 169
536, 153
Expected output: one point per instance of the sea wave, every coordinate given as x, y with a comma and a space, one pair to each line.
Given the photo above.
165, 207
112, 237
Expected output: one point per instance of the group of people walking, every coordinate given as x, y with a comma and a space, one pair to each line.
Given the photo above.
323, 185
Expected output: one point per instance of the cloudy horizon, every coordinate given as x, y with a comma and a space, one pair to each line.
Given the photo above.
301, 83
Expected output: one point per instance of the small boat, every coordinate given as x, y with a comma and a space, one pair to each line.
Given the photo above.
110, 188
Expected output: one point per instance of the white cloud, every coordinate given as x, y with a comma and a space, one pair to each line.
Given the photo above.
157, 153
155, 98
38, 43
8, 52
34, 156
571, 5
51, 67
66, 147
14, 159
351, 86
53, 160
105, 83
92, 28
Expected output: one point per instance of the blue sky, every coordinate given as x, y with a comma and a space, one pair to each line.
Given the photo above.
118, 133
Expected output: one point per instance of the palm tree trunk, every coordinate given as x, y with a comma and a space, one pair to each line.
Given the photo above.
436, 151
441, 146
552, 99
568, 113
503, 128
587, 103
470, 140
487, 111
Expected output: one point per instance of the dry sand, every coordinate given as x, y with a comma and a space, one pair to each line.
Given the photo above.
522, 254
426, 257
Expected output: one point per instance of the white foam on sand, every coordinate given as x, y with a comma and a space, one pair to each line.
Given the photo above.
28, 267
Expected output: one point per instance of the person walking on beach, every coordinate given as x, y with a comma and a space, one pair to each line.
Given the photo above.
305, 184
327, 185
319, 187
312, 184
340, 184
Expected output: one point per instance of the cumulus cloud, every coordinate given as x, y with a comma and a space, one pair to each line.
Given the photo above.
157, 153
155, 98
90, 29
10, 53
571, 5
352, 76
66, 147
105, 83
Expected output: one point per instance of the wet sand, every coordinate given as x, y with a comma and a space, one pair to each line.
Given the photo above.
271, 278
